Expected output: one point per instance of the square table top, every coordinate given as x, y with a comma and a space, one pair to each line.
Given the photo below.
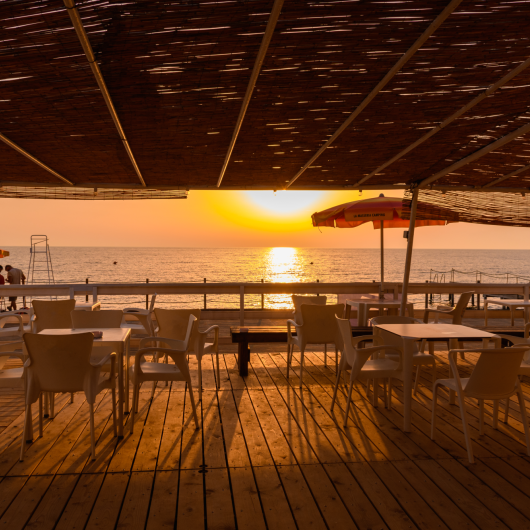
109, 334
435, 331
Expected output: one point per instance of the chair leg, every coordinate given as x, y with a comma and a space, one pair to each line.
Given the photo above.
350, 390
27, 419
431, 348
41, 427
339, 375
524, 417
114, 416
134, 405
92, 435
52, 405
325, 354
218, 371
418, 371
506, 410
301, 367
167, 362
434, 405
46, 405
375, 395
481, 416
389, 402
434, 374
71, 398
463, 413
336, 359
289, 349
154, 390
496, 414
192, 400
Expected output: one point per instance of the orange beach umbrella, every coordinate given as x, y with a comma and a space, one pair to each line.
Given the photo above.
383, 212
4, 253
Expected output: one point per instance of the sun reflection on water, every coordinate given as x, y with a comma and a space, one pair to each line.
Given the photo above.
282, 265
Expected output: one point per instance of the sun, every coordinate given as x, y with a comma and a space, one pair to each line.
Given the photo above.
284, 202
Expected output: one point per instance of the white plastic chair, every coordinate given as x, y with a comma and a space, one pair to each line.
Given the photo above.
144, 316
318, 327
12, 331
61, 363
143, 371
52, 314
173, 324
356, 359
419, 359
494, 378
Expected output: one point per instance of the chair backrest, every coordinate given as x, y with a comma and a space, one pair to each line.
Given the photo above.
59, 363
152, 303
385, 338
174, 324
460, 308
495, 373
298, 300
53, 314
107, 318
319, 324
356, 358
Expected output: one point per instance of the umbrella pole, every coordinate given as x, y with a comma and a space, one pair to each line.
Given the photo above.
381, 292
408, 259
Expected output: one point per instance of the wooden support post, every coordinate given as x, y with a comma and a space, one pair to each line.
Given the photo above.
408, 258
147, 296
242, 305
94, 295
86, 297
427, 298
205, 297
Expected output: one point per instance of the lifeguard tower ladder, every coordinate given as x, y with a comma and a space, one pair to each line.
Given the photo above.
40, 268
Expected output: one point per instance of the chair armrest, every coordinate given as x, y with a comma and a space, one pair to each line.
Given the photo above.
514, 340
289, 331
21, 356
204, 334
438, 311
105, 360
172, 343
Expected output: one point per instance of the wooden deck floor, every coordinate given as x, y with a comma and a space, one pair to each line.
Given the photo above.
267, 456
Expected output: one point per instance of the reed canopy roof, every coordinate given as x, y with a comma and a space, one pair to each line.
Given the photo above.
264, 94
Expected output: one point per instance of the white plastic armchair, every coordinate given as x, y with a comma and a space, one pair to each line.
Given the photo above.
143, 371
173, 323
318, 327
357, 360
12, 331
61, 363
493, 378
144, 317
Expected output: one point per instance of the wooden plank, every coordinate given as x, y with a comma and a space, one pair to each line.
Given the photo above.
81, 502
133, 514
354, 498
331, 506
219, 508
212, 432
190, 508
303, 506
191, 456
52, 505
9, 489
108, 505
249, 513
22, 508
163, 509
171, 443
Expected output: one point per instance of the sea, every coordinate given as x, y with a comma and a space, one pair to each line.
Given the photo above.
273, 264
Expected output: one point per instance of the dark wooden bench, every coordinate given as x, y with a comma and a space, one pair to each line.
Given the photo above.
243, 336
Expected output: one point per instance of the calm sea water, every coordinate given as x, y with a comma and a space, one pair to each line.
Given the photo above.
280, 264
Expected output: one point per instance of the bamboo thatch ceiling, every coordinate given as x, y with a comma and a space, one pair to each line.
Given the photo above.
177, 73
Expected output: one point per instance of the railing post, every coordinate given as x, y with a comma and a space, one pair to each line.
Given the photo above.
72, 296
205, 296
427, 298
147, 296
262, 298
478, 297
242, 305
318, 281
94, 295
86, 297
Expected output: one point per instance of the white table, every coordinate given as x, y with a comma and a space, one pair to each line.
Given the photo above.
411, 333
512, 304
118, 338
364, 305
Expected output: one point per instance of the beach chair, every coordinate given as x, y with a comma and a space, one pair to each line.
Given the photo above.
318, 327
143, 371
62, 363
493, 378
357, 360
173, 324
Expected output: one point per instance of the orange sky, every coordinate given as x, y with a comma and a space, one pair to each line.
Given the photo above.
224, 219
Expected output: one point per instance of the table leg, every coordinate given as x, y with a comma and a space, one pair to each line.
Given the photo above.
361, 315
408, 352
122, 351
127, 382
29, 431
243, 358
525, 313
453, 345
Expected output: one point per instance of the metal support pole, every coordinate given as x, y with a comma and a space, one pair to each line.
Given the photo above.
86, 297
242, 305
408, 258
147, 296
426, 298
382, 251
205, 297
318, 281
262, 298
478, 297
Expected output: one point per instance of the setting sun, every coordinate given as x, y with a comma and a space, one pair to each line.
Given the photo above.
284, 202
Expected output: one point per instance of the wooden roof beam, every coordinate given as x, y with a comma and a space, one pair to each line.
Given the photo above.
435, 24
34, 159
267, 36
475, 101
85, 43
476, 155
